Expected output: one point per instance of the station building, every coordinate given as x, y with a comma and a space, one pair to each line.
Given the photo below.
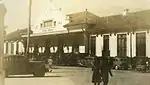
86, 33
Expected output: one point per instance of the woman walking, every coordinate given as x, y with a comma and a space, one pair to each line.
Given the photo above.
96, 78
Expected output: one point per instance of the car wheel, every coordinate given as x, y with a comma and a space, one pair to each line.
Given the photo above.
40, 72
6, 73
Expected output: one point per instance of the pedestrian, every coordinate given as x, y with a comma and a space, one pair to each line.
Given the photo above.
110, 63
50, 63
105, 70
96, 78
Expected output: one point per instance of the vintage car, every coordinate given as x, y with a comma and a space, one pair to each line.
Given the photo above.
121, 63
21, 65
86, 62
141, 64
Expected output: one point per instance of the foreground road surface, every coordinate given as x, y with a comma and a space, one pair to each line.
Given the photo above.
78, 76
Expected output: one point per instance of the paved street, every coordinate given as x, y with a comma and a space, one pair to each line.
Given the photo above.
79, 76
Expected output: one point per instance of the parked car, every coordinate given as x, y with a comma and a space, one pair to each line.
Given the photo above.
20, 65
141, 63
86, 62
121, 63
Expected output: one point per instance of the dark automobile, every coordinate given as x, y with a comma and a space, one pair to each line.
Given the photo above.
121, 63
141, 64
20, 65
86, 62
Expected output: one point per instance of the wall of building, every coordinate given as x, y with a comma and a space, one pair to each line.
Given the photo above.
129, 43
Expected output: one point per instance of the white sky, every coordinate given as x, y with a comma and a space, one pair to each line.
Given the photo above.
17, 10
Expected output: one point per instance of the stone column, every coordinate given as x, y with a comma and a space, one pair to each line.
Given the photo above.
128, 45
21, 47
15, 47
47, 48
4, 47
133, 45
148, 45
99, 45
12, 47
113, 45
2, 14
9, 47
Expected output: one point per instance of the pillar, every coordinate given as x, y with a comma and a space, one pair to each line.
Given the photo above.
4, 47
15, 48
36, 49
148, 45
9, 47
32, 49
133, 45
128, 45
2, 14
12, 47
47, 48
21, 47
99, 45
113, 45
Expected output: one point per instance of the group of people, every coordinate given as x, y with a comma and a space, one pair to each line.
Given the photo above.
101, 70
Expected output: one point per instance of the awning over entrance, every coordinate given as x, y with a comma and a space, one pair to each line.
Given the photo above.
54, 38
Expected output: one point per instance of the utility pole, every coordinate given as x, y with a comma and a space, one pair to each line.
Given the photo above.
29, 28
2, 14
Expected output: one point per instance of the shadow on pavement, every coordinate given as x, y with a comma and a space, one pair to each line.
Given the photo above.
31, 76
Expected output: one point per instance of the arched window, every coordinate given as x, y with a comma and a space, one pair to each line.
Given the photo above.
141, 44
121, 45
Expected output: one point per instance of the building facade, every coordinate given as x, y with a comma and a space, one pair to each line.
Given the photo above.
120, 35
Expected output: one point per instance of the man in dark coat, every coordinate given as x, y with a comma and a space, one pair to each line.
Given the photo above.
105, 69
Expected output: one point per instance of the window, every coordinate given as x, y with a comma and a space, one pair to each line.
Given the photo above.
6, 47
48, 23
12, 47
121, 45
54, 23
66, 49
53, 49
141, 44
82, 49
106, 46
41, 25
69, 18
106, 42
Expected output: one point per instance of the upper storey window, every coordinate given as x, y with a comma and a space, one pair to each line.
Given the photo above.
69, 18
49, 23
